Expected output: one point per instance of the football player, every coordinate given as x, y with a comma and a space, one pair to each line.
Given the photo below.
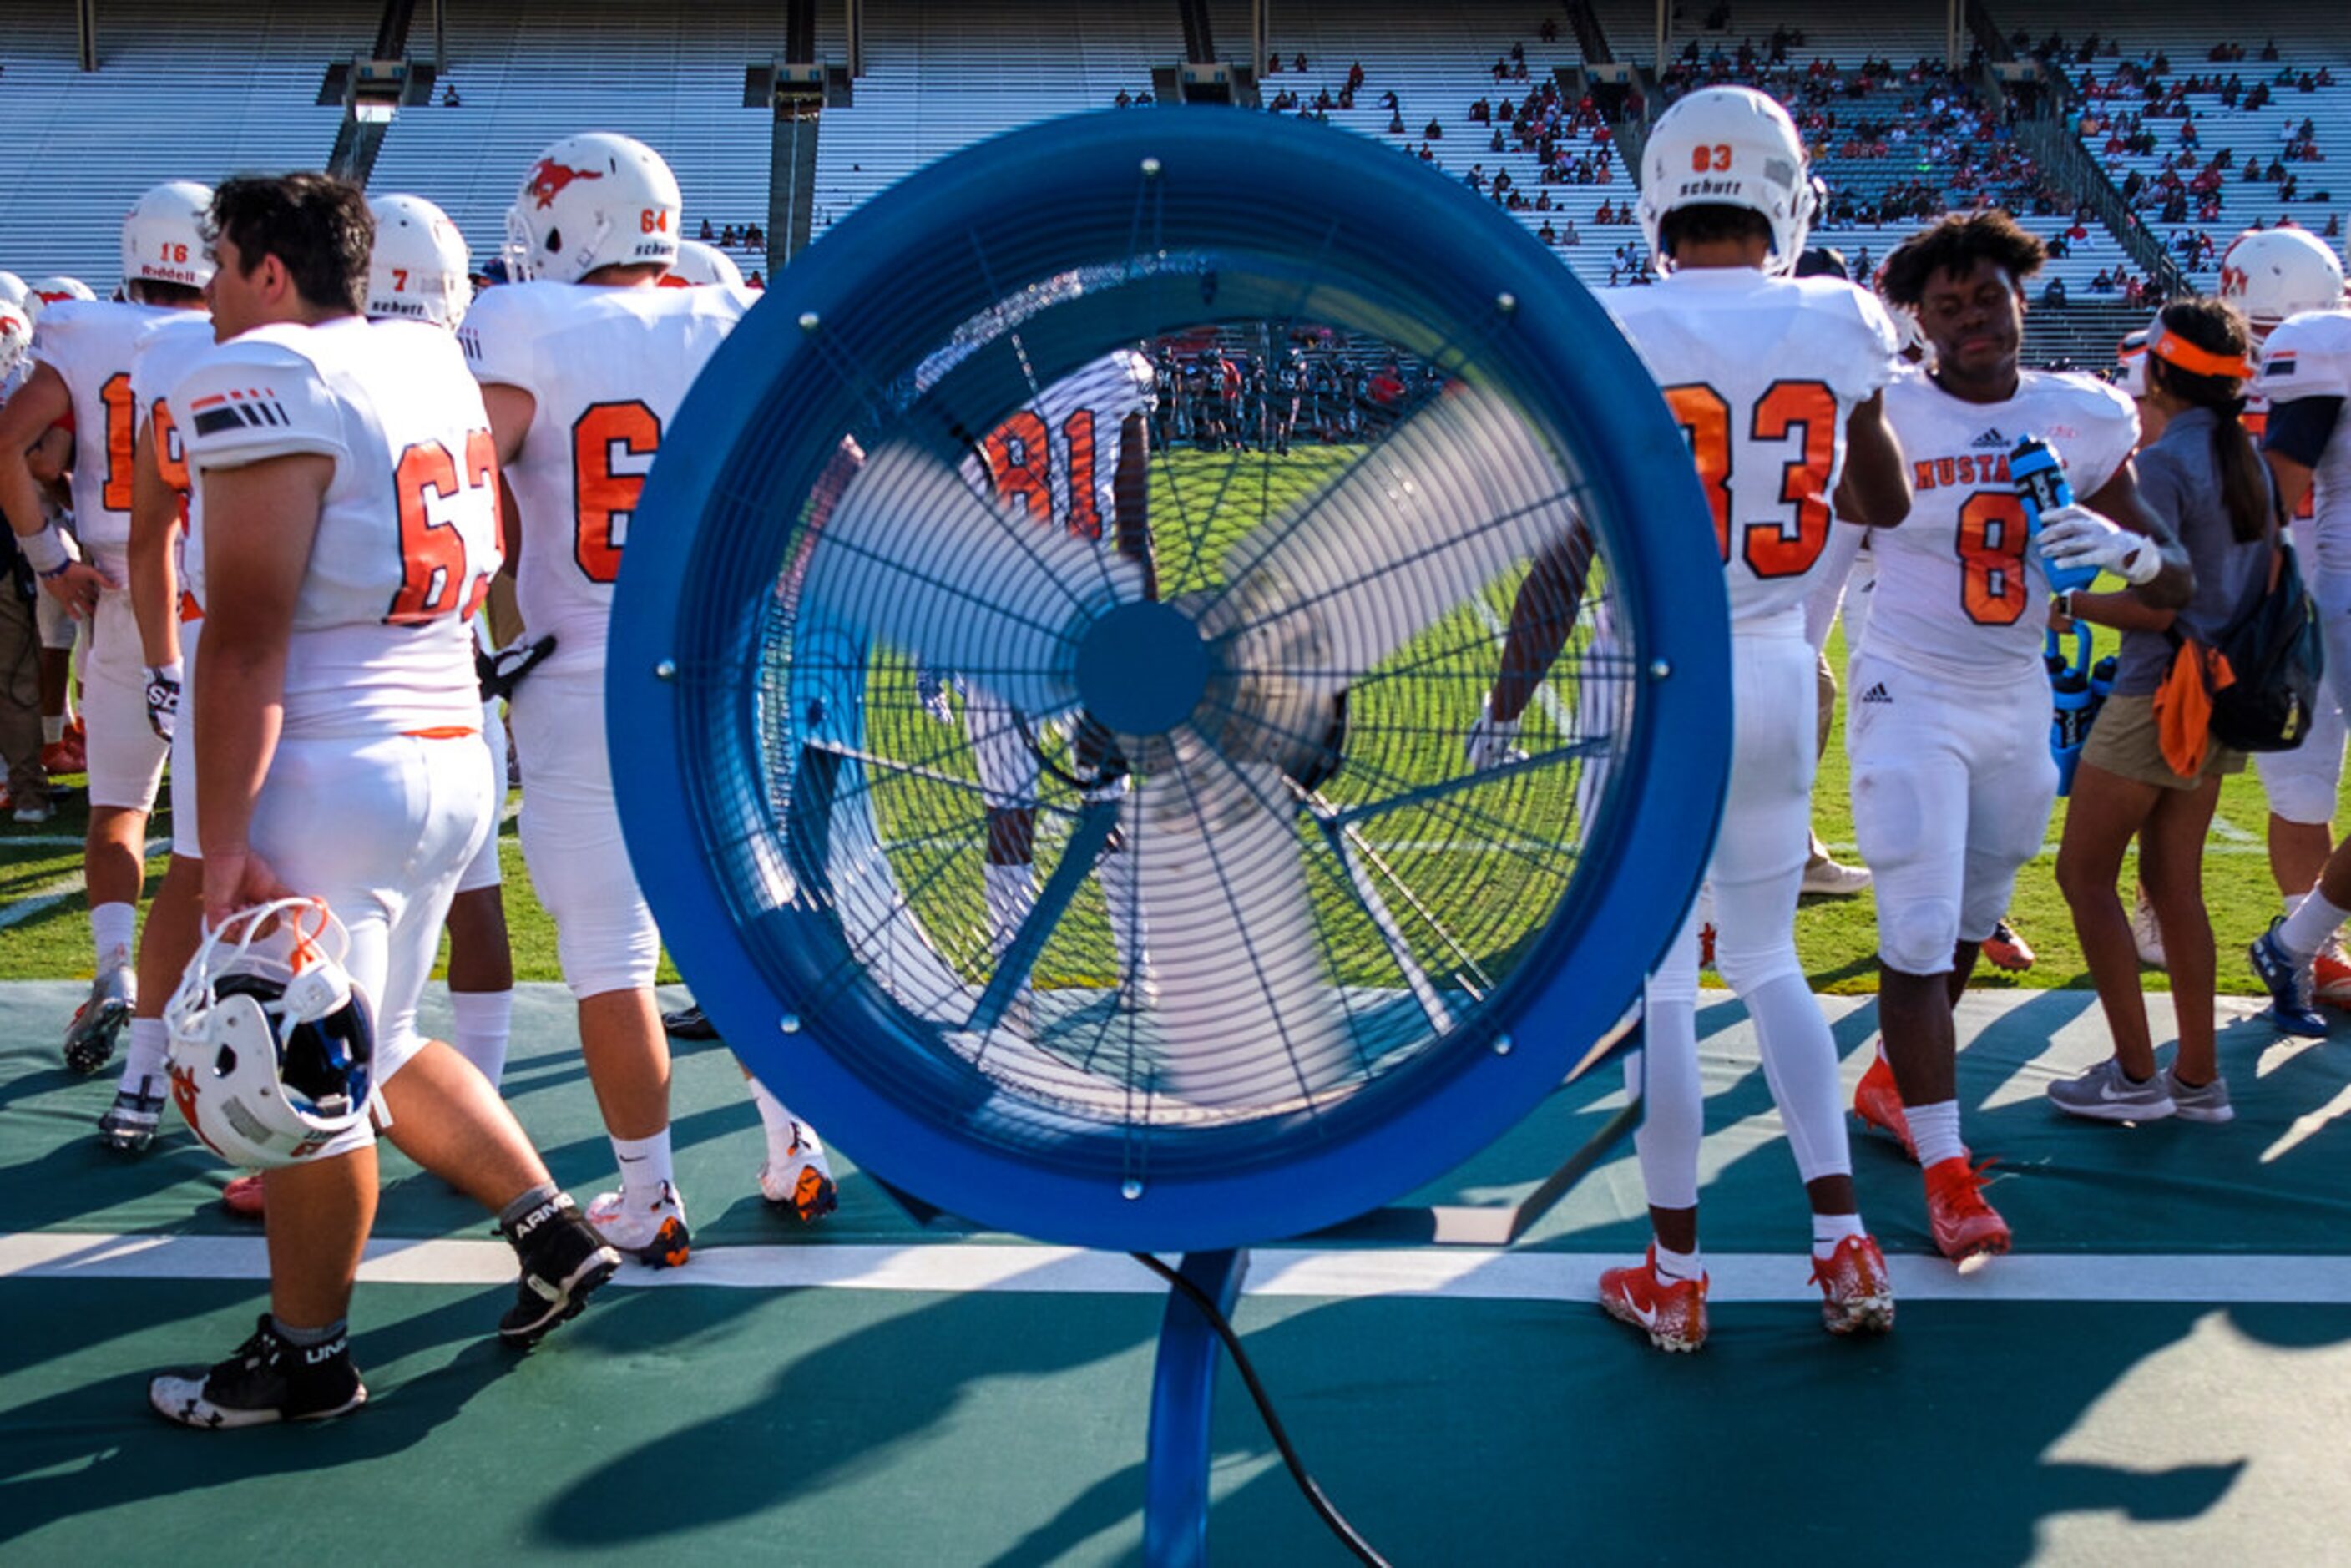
1075, 456
2274, 275
582, 367
1952, 778
82, 352
1778, 383
417, 272
2305, 379
350, 493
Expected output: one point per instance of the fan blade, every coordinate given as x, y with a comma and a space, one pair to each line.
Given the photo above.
914, 558
1246, 1011
1457, 495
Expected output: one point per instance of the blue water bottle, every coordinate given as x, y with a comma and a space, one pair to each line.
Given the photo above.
2042, 487
2075, 700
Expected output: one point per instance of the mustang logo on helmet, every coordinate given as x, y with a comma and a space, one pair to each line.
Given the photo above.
549, 179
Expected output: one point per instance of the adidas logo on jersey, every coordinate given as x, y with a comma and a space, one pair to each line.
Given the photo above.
1992, 438
1877, 694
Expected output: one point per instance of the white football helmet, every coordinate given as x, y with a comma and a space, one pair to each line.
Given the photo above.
12, 289
2271, 273
590, 201
272, 1047
418, 268
54, 290
1730, 146
699, 265
16, 337
162, 236
2132, 355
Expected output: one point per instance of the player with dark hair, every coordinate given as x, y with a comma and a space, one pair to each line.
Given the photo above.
1952, 779
337, 749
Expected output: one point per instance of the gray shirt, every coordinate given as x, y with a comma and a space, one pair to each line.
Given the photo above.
2179, 480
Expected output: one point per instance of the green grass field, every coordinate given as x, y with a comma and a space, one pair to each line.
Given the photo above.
1202, 502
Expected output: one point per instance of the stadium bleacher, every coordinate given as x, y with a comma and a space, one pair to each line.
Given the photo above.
184, 91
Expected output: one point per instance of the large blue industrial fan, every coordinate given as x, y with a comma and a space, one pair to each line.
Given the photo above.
1335, 960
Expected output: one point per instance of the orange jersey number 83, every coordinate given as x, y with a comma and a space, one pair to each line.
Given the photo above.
1785, 546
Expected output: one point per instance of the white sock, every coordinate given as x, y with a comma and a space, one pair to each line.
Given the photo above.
1672, 1265
110, 929
1799, 1063
644, 1168
2306, 929
1828, 1230
53, 728
1011, 893
1673, 1104
149, 1041
782, 1129
1935, 1132
481, 1022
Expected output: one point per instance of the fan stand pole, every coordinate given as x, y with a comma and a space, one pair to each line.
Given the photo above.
1182, 1402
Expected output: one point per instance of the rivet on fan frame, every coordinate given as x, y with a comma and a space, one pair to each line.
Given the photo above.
1504, 1045
790, 1023
1659, 669
1151, 168
666, 670
807, 321
1130, 1189
1508, 304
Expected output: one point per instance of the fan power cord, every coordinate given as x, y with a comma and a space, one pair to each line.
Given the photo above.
1325, 1508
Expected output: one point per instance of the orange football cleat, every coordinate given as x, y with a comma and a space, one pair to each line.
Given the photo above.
1966, 1228
1878, 1102
1856, 1297
1672, 1316
242, 1197
2006, 950
2332, 972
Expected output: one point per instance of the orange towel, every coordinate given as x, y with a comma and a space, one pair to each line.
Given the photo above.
2183, 706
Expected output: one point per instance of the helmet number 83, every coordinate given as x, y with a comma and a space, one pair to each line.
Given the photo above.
1707, 158
1785, 546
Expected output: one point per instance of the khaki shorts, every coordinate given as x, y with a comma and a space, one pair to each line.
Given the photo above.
2124, 742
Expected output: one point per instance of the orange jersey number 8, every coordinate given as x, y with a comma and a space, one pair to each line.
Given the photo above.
601, 500
1784, 547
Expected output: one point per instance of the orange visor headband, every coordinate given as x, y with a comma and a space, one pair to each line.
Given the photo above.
2174, 350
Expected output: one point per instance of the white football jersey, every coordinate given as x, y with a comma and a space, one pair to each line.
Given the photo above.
1958, 597
90, 343
2309, 356
1762, 374
608, 368
408, 537
1058, 455
164, 353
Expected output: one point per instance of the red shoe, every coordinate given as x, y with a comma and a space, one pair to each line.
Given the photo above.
1966, 1228
2332, 974
1672, 1316
2007, 950
243, 1197
65, 756
1878, 1104
1855, 1295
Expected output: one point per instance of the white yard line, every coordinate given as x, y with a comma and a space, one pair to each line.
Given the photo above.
1322, 1274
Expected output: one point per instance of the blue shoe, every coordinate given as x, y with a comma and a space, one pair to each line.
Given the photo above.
2292, 1006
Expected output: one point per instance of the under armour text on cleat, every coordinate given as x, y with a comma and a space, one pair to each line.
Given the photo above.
1856, 1297
563, 1260
1672, 1314
267, 1380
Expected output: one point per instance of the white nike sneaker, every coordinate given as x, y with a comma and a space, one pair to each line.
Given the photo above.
800, 1179
1491, 742
653, 1234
